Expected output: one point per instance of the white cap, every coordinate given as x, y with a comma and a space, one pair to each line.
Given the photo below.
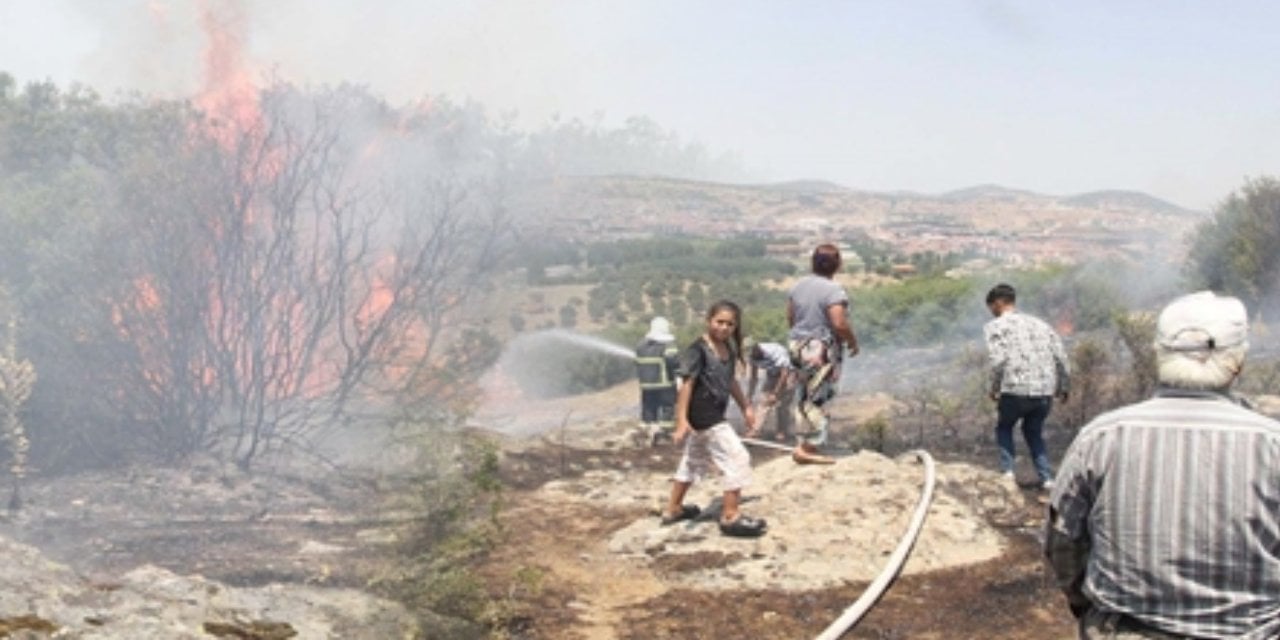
1202, 321
660, 330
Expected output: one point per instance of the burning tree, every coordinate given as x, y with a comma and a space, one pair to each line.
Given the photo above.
269, 284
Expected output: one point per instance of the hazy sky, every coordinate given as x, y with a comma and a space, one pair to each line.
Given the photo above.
1178, 99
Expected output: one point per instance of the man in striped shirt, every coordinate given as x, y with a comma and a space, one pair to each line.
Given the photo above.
1165, 521
1028, 367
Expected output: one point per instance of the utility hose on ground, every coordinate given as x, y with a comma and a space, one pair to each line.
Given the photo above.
854, 613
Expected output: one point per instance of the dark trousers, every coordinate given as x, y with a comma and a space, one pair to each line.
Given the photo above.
658, 405
1032, 411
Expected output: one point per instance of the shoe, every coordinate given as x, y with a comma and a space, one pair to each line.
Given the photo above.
805, 457
687, 512
1047, 485
744, 527
1009, 479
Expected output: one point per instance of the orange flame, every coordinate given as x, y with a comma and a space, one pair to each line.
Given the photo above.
229, 95
1065, 325
230, 100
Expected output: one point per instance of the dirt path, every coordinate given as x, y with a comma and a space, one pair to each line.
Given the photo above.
567, 542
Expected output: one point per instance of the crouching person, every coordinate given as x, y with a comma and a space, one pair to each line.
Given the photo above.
708, 367
1165, 519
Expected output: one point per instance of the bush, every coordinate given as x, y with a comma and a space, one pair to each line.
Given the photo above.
1137, 332
1091, 391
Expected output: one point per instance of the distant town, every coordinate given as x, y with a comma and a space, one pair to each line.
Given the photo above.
991, 226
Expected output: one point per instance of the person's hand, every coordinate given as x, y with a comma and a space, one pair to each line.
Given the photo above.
1064, 396
1079, 606
682, 431
853, 350
995, 397
770, 399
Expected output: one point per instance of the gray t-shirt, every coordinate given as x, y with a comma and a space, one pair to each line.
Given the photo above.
810, 298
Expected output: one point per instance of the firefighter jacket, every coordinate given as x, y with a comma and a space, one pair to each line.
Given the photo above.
656, 364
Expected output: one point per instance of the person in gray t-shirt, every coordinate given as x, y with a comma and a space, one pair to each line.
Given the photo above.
818, 313
809, 305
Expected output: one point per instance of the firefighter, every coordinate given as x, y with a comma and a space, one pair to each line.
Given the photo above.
657, 360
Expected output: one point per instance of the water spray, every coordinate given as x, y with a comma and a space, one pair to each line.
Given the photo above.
582, 340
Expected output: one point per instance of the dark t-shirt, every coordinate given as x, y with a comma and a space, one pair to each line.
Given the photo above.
712, 378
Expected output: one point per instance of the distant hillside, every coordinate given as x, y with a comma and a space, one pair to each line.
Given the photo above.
1004, 225
1126, 200
991, 192
812, 186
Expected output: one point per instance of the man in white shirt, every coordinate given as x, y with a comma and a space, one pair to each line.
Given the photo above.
779, 384
1028, 368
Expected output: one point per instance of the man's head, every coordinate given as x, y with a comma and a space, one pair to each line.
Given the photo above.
1201, 340
1001, 298
826, 260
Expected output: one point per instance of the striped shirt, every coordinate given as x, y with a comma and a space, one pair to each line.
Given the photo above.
1168, 512
1025, 356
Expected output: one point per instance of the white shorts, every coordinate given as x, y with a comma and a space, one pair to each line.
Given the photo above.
717, 447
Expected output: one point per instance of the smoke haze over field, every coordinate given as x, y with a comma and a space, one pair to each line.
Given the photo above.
1177, 101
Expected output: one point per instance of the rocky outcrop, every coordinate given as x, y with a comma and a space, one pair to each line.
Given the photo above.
828, 525
41, 598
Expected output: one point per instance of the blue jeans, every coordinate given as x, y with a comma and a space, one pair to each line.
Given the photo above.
1032, 411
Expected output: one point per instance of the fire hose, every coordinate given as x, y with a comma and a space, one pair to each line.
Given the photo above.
755, 442
859, 608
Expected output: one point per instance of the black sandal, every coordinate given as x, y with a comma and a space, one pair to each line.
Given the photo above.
744, 527
687, 512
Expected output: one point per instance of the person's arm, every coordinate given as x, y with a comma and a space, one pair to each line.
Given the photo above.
751, 382
787, 380
791, 314
673, 367
748, 414
682, 409
1068, 559
691, 363
1067, 540
1063, 366
838, 314
997, 358
784, 376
